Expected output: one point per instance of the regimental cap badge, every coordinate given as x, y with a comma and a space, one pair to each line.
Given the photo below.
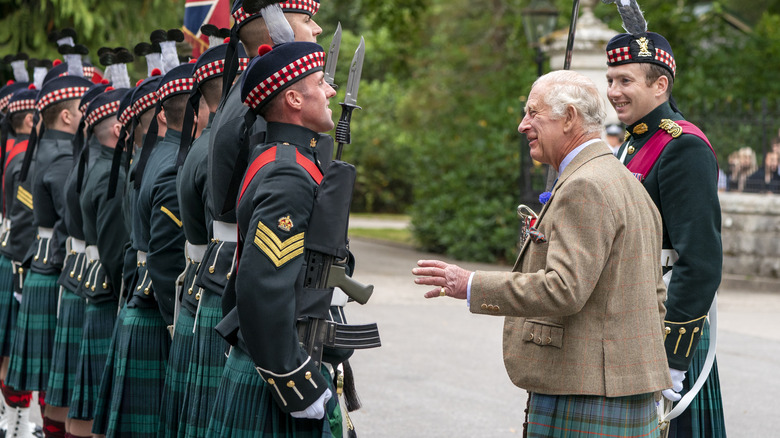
285, 223
644, 49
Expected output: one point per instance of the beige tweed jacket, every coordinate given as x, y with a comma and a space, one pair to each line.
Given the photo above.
584, 309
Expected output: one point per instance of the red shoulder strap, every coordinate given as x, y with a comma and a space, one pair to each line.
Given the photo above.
644, 161
264, 158
17, 149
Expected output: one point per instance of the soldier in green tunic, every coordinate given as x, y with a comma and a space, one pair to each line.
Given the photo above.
678, 167
18, 235
70, 315
268, 370
58, 102
105, 237
201, 301
158, 237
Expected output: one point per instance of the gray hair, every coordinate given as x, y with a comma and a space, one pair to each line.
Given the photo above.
569, 88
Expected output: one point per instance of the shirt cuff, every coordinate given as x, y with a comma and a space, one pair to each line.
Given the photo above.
468, 290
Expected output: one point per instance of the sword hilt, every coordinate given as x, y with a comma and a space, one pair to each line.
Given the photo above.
343, 135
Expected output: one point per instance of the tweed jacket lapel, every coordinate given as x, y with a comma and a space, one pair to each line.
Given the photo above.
588, 153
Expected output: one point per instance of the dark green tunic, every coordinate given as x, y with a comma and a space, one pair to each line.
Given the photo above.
18, 207
158, 228
53, 161
104, 223
683, 185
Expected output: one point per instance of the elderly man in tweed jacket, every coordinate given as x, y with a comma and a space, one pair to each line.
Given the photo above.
584, 301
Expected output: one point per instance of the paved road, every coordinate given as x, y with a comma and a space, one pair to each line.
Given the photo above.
439, 372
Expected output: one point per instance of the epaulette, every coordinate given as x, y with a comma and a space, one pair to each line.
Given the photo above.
671, 127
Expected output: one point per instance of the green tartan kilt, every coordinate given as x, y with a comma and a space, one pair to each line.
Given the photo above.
139, 374
244, 407
99, 321
107, 377
704, 416
8, 306
176, 375
28, 369
207, 362
554, 416
65, 353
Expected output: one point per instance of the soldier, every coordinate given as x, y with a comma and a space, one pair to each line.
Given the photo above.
57, 103
70, 315
274, 207
135, 118
200, 302
226, 158
148, 322
18, 235
677, 165
105, 236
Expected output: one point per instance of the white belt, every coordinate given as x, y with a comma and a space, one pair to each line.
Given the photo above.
92, 253
668, 258
6, 225
224, 231
195, 252
140, 256
77, 246
45, 233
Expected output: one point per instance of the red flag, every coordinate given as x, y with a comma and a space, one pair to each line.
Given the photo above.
200, 12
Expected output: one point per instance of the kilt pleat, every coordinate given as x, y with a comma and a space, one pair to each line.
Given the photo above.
107, 377
139, 375
65, 352
704, 416
244, 407
9, 307
31, 353
99, 320
176, 375
552, 416
206, 364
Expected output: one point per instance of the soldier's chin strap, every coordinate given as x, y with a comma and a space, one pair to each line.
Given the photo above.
683, 404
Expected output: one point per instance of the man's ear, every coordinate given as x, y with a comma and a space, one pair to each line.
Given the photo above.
161, 119
28, 121
67, 117
116, 128
570, 117
293, 98
661, 85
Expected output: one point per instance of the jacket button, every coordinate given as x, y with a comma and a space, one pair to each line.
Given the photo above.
270, 381
483, 306
211, 269
548, 341
530, 336
291, 384
497, 309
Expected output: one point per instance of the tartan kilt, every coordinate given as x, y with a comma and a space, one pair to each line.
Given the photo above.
99, 321
552, 416
36, 322
176, 375
8, 306
139, 374
103, 403
65, 353
206, 364
244, 407
704, 416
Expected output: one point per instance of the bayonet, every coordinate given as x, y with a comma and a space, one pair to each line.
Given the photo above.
333, 57
350, 98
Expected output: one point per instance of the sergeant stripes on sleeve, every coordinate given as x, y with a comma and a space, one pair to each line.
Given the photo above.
279, 252
25, 197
